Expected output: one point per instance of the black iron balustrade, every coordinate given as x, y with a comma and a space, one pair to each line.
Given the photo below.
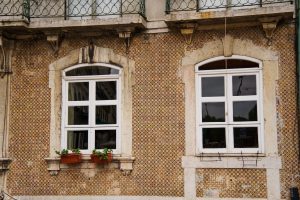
70, 9
198, 5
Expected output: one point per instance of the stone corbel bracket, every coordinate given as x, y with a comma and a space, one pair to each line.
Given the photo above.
4, 164
269, 24
126, 34
125, 164
6, 50
187, 30
54, 39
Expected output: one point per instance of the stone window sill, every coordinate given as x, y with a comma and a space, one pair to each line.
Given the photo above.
125, 164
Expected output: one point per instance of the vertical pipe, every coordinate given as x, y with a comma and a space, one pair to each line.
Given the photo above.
65, 7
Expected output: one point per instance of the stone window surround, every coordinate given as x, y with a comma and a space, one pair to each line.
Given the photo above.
269, 160
124, 160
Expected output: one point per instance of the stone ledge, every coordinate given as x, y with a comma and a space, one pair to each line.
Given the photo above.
125, 164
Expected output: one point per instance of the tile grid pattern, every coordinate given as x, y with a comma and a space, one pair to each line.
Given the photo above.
158, 121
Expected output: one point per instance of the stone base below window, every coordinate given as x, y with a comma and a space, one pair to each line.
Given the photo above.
125, 164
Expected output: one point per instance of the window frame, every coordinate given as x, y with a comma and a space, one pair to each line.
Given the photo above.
229, 98
91, 127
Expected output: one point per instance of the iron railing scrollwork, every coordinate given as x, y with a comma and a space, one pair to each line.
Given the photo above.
74, 9
198, 5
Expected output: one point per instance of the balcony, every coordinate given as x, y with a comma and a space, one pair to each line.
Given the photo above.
213, 12
51, 14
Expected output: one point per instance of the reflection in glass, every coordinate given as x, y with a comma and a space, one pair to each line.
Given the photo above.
105, 139
245, 137
92, 70
212, 86
106, 90
78, 115
78, 91
106, 114
214, 138
77, 139
244, 111
244, 85
213, 112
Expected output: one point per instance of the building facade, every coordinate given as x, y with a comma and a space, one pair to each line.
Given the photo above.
196, 99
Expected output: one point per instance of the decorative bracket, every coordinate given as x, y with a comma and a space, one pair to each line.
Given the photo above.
4, 163
126, 34
187, 30
54, 39
6, 49
269, 25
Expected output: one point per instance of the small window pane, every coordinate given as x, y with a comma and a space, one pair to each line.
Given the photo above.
105, 139
212, 86
229, 64
78, 115
213, 112
78, 91
244, 85
77, 139
106, 90
245, 111
245, 137
214, 138
92, 70
106, 115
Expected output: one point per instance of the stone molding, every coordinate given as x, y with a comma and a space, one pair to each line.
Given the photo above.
271, 160
101, 55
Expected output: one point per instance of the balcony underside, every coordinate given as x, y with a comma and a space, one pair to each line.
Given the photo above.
235, 17
86, 27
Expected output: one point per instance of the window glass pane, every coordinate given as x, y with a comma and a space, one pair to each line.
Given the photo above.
78, 115
214, 138
106, 90
244, 111
78, 91
92, 70
228, 64
106, 115
245, 137
212, 86
213, 112
244, 85
77, 139
105, 139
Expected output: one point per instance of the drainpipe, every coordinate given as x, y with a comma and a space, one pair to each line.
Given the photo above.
294, 190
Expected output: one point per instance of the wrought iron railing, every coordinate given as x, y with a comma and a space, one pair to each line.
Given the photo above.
70, 9
198, 5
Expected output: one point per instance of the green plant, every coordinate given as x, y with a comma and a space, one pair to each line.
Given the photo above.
62, 152
103, 155
66, 152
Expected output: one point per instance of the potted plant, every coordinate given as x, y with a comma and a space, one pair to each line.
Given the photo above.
69, 158
102, 157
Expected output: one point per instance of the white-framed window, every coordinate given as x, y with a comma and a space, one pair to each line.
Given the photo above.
229, 113
91, 107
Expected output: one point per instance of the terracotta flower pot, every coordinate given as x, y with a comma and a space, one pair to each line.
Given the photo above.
70, 158
98, 160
